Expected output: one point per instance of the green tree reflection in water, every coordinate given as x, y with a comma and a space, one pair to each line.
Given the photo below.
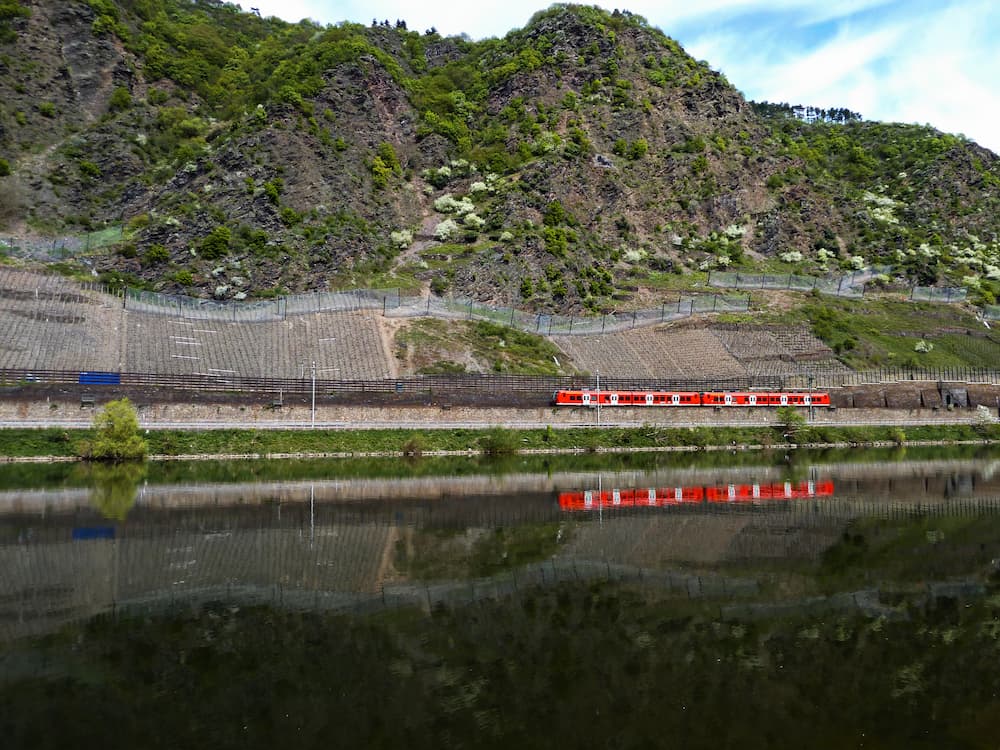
114, 487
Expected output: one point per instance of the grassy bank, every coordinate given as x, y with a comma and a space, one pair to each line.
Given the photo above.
495, 441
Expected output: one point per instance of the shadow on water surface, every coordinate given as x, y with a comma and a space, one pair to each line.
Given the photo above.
421, 609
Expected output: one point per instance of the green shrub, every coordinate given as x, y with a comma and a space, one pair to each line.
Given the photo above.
184, 277
89, 170
216, 244
120, 99
498, 441
116, 436
155, 255
4, 168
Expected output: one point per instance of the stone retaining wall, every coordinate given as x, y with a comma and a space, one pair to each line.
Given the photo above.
260, 416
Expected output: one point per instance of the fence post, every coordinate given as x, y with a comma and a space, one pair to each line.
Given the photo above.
604, 318
634, 313
663, 311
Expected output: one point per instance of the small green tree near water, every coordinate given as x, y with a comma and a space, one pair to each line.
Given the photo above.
792, 424
116, 435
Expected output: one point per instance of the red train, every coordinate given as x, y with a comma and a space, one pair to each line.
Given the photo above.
663, 497
689, 398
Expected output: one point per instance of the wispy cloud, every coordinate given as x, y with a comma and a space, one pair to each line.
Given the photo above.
924, 61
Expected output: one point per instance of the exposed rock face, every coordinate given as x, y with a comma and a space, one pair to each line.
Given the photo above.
591, 149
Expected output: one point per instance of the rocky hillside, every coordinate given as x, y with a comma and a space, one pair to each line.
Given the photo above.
571, 165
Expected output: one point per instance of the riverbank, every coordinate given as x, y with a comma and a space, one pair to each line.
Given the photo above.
57, 443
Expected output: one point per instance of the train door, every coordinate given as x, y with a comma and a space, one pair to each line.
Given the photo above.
649, 399
675, 399
728, 398
807, 400
752, 399
784, 399
651, 496
616, 497
586, 398
613, 399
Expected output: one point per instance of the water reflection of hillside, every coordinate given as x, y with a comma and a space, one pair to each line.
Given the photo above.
371, 544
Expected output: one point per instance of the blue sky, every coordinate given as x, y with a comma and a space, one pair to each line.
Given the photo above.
915, 61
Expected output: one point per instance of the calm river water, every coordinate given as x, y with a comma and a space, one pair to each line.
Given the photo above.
696, 600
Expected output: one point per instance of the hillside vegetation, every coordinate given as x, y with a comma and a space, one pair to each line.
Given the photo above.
577, 164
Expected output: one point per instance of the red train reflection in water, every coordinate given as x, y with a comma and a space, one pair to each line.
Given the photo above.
663, 497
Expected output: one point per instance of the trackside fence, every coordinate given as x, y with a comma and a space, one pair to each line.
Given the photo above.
394, 303
851, 286
60, 248
525, 384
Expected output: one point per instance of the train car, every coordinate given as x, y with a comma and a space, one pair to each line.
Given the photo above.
570, 397
626, 398
762, 398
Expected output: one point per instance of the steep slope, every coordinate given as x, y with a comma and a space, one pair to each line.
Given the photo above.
562, 167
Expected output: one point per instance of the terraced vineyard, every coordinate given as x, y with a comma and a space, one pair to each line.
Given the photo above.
52, 323
343, 346
652, 353
48, 322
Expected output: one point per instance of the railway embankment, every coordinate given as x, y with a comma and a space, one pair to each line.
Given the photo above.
78, 413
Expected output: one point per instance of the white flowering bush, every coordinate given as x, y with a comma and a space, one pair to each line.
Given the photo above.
446, 230
472, 221
923, 346
634, 255
401, 239
477, 188
733, 231
448, 204
858, 262
792, 256
506, 236
881, 207
972, 283
437, 177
